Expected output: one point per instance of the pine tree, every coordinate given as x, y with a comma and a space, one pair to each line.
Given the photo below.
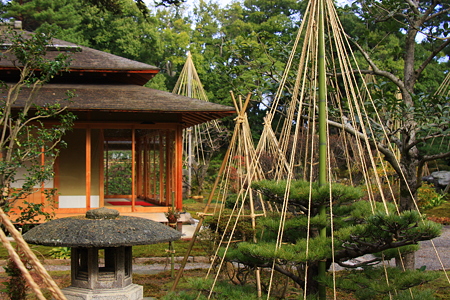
359, 228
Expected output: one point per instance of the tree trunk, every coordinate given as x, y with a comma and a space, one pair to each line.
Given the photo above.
408, 185
312, 285
407, 192
409, 155
408, 181
406, 261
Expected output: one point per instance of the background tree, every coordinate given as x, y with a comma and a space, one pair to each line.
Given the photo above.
421, 115
403, 67
134, 36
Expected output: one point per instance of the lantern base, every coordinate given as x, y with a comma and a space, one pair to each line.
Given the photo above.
130, 292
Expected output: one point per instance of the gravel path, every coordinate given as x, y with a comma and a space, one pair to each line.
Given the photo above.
426, 256
140, 265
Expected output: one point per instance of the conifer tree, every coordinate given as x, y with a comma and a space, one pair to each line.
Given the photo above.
359, 228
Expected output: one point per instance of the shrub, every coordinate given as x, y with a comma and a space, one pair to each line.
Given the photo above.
16, 286
428, 197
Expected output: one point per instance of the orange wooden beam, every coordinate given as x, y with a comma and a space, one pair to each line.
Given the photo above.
133, 168
179, 167
88, 168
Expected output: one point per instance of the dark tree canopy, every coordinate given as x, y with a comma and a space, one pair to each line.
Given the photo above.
115, 5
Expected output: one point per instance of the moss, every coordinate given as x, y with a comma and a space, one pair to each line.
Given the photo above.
439, 211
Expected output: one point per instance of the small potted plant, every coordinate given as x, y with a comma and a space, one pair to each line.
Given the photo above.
172, 216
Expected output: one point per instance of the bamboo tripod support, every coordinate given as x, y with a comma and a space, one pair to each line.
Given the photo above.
34, 261
200, 223
240, 108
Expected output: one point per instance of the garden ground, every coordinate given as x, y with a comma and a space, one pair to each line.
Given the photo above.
154, 273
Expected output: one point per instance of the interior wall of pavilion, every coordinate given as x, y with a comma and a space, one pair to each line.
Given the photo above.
73, 170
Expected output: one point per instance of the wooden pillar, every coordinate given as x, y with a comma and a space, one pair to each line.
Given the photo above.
179, 167
101, 180
133, 168
169, 174
138, 167
42, 183
107, 168
154, 156
88, 168
161, 168
145, 166
56, 179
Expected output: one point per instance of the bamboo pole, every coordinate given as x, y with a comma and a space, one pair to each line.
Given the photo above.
34, 261
252, 210
189, 130
322, 138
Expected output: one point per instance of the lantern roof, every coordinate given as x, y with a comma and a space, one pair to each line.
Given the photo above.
101, 227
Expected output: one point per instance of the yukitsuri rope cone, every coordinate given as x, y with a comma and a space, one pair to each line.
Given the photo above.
301, 111
200, 138
242, 168
302, 107
32, 259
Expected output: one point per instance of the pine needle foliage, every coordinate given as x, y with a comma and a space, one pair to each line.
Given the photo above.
301, 192
366, 283
360, 228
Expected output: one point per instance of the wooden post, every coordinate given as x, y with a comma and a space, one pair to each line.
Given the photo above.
107, 167
88, 168
153, 162
101, 174
145, 167
179, 166
56, 179
133, 168
138, 167
169, 173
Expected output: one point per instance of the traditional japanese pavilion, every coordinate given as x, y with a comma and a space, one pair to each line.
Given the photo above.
116, 112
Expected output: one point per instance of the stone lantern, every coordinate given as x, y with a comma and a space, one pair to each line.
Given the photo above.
102, 232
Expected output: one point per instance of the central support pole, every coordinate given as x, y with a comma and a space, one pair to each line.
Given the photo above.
322, 138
